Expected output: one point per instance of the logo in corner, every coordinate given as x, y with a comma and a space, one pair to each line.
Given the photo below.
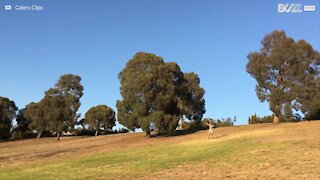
7, 7
289, 8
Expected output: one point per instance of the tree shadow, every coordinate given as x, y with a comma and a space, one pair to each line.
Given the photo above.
215, 137
176, 133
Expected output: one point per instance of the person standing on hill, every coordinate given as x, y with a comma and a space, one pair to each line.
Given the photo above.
211, 125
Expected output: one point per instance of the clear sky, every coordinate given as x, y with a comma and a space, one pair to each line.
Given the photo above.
95, 39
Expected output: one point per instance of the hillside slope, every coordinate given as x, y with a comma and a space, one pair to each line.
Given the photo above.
270, 151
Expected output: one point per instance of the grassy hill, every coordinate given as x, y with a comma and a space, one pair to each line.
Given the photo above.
269, 151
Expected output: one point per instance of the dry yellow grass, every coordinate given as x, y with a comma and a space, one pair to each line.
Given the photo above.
267, 151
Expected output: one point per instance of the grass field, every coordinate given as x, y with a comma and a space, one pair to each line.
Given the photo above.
264, 151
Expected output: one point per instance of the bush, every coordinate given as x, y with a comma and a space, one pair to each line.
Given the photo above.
22, 135
223, 122
196, 125
47, 134
83, 132
16, 135
123, 130
91, 132
254, 119
193, 125
105, 132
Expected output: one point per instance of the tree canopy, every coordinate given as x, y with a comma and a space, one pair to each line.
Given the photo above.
35, 112
57, 111
100, 117
287, 74
62, 103
155, 93
7, 113
22, 127
22, 122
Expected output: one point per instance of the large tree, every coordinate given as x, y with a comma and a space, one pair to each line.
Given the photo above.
62, 102
69, 87
155, 94
100, 117
57, 111
35, 112
7, 114
57, 114
287, 75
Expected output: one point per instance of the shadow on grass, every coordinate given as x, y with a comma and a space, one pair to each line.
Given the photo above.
215, 137
176, 133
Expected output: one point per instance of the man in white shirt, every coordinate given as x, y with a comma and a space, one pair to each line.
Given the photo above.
211, 126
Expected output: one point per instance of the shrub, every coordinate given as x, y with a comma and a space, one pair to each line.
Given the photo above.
123, 130
223, 122
254, 119
22, 135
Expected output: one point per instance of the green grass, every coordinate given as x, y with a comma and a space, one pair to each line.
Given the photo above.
279, 151
130, 163
135, 162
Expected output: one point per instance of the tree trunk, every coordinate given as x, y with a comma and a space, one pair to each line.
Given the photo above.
148, 133
277, 112
96, 133
39, 134
275, 119
58, 136
180, 122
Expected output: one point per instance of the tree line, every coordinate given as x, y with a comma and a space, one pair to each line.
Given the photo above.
254, 119
158, 96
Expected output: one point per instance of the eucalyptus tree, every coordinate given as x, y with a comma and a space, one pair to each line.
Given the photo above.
57, 111
62, 102
100, 117
287, 74
7, 113
156, 93
35, 112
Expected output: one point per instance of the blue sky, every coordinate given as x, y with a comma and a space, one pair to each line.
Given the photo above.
95, 39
